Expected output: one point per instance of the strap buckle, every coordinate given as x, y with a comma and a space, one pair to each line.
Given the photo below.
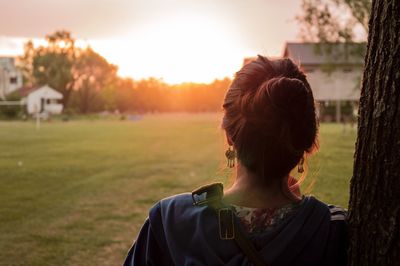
207, 194
226, 224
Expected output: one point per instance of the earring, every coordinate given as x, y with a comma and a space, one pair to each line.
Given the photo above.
300, 167
230, 156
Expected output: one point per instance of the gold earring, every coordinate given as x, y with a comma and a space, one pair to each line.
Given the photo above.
300, 167
230, 156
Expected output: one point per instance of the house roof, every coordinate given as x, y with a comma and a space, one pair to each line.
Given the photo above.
45, 91
247, 60
25, 90
7, 59
7, 62
327, 53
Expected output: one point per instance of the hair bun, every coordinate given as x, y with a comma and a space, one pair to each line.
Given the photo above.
287, 95
284, 103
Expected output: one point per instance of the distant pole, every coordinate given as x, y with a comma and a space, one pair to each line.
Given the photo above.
36, 112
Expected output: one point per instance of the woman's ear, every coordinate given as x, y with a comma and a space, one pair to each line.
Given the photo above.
228, 139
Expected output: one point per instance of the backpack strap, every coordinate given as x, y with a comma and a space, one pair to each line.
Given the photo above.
211, 195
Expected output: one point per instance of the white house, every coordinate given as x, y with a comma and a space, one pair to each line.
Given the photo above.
333, 70
41, 99
10, 76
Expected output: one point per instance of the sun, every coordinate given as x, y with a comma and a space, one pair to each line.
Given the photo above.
179, 49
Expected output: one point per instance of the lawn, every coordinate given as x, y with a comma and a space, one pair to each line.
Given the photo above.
77, 192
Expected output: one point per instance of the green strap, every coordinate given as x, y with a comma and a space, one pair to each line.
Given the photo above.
228, 227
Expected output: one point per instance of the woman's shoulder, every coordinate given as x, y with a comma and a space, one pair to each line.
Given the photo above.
337, 213
190, 203
175, 201
179, 206
178, 199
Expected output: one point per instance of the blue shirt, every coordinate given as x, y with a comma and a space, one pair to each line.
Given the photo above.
178, 233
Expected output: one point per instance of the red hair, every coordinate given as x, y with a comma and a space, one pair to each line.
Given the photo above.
269, 115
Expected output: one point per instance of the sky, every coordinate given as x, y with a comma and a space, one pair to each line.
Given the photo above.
176, 40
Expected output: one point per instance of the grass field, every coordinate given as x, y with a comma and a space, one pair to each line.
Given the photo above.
76, 193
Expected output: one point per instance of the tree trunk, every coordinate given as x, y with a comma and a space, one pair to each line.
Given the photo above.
374, 210
65, 100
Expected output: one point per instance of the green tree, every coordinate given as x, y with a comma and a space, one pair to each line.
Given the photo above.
51, 63
334, 20
25, 62
125, 95
70, 69
149, 95
91, 74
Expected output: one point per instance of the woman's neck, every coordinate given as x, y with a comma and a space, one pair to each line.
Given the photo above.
248, 191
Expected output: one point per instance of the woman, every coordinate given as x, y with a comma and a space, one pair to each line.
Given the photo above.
271, 125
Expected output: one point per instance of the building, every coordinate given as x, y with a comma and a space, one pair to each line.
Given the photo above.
334, 72
10, 76
40, 99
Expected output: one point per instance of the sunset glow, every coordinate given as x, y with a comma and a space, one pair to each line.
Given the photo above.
177, 41
177, 50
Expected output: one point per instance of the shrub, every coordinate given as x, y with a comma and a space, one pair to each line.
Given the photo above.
11, 111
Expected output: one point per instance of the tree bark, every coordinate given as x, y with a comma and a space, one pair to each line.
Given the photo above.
374, 208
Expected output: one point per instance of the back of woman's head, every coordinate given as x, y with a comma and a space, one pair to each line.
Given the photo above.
270, 117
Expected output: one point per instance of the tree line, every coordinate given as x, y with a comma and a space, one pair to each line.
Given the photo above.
90, 84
